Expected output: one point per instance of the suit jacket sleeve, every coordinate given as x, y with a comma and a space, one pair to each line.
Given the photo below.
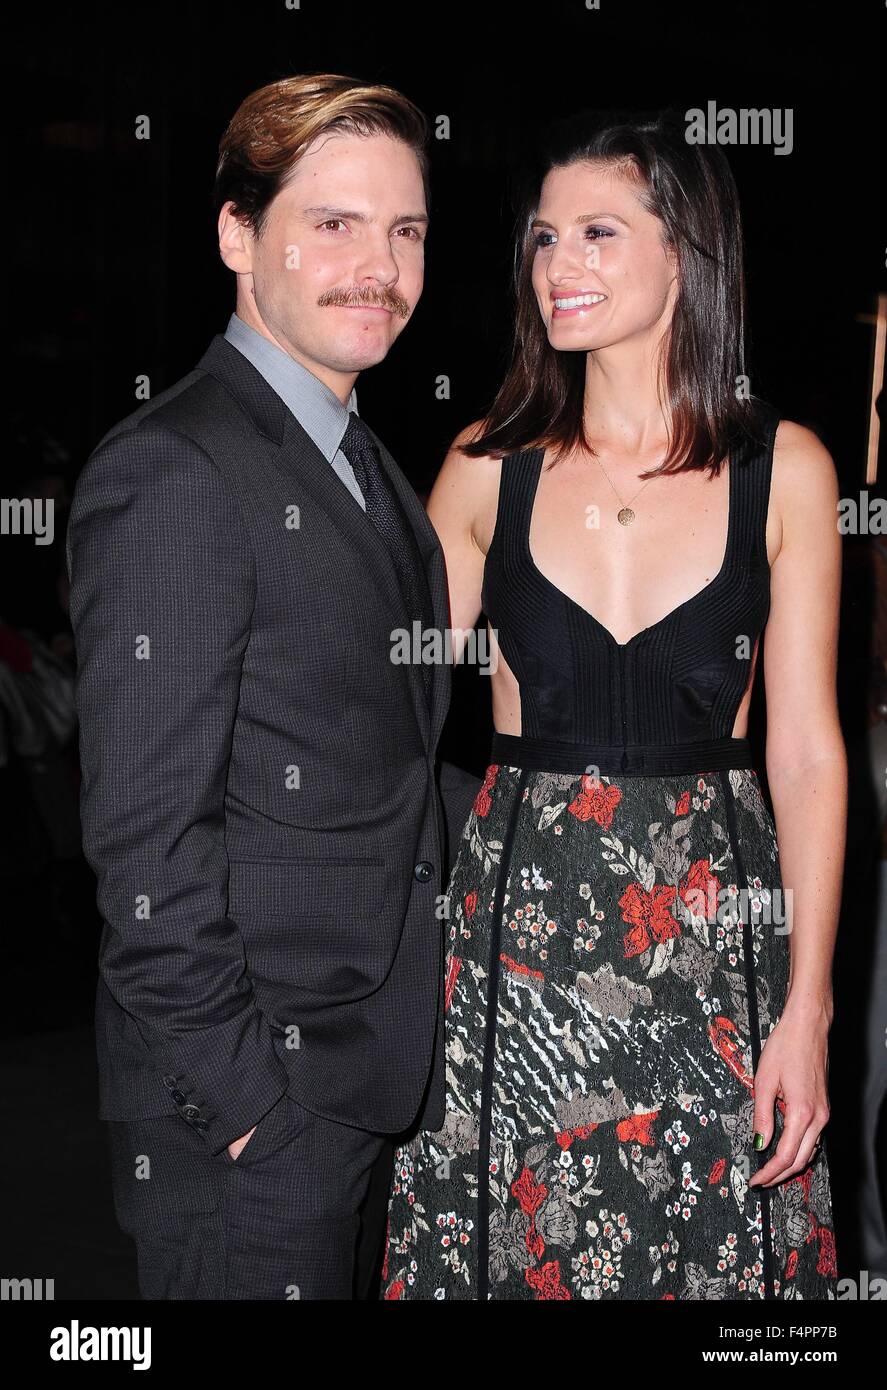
162, 592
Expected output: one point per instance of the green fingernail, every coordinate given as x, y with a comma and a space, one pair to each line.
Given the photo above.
759, 1141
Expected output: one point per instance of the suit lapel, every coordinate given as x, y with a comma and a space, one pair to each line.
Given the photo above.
435, 569
299, 457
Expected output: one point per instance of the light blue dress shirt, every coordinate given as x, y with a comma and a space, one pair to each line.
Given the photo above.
318, 410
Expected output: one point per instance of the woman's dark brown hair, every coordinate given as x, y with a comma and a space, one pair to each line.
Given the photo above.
690, 188
273, 127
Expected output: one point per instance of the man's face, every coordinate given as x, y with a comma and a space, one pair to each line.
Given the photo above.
339, 265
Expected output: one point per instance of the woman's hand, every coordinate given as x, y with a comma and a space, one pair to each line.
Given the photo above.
792, 1073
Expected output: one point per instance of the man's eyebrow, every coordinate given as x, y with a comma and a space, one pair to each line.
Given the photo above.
324, 211
584, 217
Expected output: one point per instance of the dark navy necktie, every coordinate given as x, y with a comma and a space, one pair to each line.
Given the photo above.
384, 509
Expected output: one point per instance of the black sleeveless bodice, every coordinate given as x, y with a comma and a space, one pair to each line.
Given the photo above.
679, 681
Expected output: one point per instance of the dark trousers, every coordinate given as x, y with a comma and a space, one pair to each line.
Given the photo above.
373, 1239
283, 1220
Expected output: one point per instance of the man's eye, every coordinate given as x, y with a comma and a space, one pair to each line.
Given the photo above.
333, 222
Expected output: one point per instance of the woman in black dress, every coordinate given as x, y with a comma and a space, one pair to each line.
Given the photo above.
638, 975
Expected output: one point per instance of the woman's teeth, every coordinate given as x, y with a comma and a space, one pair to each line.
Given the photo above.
577, 300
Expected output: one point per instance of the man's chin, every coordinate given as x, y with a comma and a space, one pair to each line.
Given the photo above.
357, 358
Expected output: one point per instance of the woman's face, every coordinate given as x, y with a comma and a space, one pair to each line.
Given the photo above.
597, 244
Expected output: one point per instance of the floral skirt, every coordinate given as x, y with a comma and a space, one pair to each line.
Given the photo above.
618, 954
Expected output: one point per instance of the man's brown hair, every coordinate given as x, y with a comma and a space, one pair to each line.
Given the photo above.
274, 126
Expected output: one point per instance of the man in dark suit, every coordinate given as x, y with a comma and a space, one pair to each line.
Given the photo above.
259, 797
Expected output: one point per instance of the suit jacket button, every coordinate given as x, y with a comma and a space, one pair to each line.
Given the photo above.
423, 870
179, 1098
191, 1112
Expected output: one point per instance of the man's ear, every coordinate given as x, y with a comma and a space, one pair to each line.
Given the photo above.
235, 241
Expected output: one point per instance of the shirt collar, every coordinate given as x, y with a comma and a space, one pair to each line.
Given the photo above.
316, 407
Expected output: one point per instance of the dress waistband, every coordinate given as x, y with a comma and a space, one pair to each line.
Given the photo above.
623, 760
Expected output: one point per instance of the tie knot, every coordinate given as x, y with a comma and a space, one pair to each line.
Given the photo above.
357, 442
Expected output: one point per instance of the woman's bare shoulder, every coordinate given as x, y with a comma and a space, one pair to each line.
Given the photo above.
804, 485
480, 462
467, 487
799, 455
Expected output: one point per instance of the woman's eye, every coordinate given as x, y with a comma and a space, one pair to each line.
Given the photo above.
594, 233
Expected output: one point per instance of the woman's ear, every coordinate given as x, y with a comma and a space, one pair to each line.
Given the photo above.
674, 264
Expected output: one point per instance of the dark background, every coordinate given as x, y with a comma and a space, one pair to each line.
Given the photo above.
113, 272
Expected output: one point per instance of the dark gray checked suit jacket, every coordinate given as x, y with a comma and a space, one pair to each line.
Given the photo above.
259, 794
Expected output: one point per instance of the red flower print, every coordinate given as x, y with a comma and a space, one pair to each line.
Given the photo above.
720, 1031
683, 805
717, 1172
530, 1196
649, 915
827, 1262
528, 1192
483, 801
805, 1179
534, 1242
583, 1131
700, 889
636, 1128
547, 1281
395, 1290
791, 1265
596, 801
387, 1238
470, 904
565, 1137
452, 976
517, 968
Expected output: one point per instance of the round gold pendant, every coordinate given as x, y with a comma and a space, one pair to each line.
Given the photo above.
625, 516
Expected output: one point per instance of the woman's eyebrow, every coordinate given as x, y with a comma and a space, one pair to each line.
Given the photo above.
583, 217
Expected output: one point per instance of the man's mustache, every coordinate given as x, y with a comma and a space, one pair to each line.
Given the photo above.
384, 299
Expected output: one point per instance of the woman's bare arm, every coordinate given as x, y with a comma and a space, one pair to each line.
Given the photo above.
807, 774
461, 502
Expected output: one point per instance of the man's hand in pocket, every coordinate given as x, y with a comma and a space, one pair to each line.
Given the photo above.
239, 1144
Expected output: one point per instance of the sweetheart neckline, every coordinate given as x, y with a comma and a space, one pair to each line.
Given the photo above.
596, 622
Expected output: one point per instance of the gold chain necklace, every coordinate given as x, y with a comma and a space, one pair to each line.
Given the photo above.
626, 515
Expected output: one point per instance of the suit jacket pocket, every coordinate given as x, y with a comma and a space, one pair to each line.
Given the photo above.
315, 931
